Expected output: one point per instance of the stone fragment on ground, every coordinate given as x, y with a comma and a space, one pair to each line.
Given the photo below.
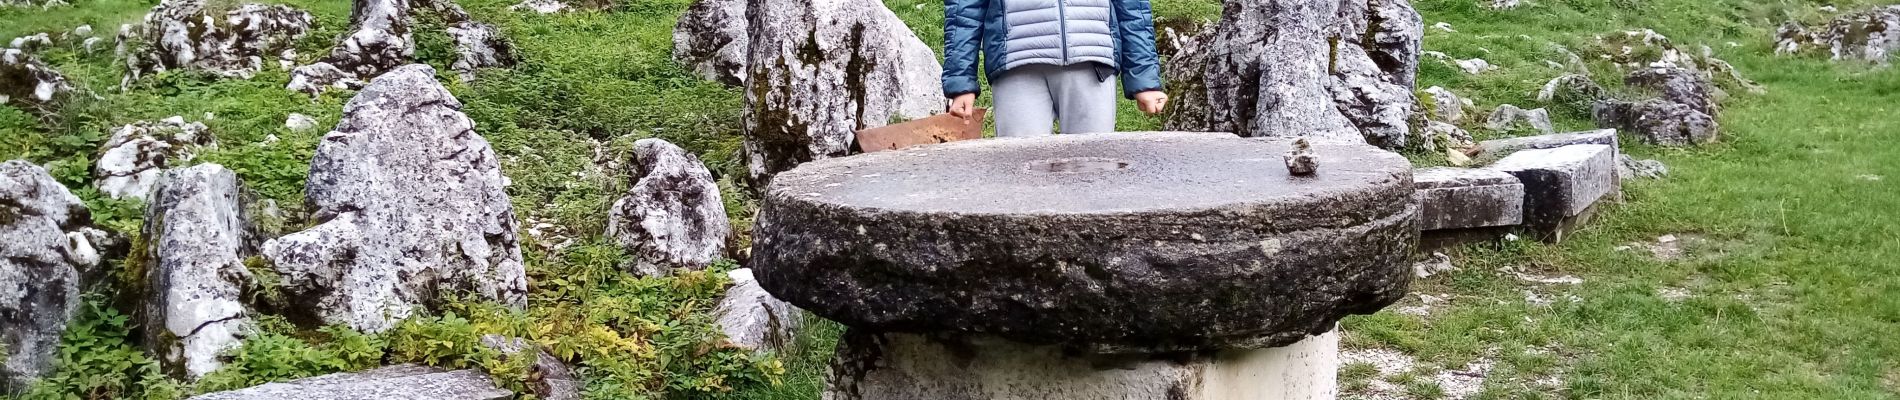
540, 6
478, 45
399, 382
1682, 115
1511, 118
1460, 198
198, 239
1435, 264
28, 83
409, 205
672, 217
1628, 168
820, 72
1871, 35
1495, 149
299, 122
550, 379
223, 39
40, 260
752, 318
1561, 185
1446, 106
380, 38
711, 39
1263, 69
1577, 89
1475, 66
132, 159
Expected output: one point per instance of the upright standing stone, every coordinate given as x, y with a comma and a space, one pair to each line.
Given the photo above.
39, 261
1301, 68
711, 40
410, 206
820, 71
1561, 185
673, 216
197, 239
228, 41
752, 318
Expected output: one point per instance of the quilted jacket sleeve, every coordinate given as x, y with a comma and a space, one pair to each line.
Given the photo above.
1140, 65
962, 32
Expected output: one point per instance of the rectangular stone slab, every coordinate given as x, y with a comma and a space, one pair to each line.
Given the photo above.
1561, 183
1457, 198
1496, 149
397, 382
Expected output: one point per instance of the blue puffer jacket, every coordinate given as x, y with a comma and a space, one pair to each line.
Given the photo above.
1013, 33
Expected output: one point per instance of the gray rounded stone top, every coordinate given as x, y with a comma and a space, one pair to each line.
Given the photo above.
1126, 242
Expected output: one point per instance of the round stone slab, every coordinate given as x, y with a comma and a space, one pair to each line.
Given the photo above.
1116, 243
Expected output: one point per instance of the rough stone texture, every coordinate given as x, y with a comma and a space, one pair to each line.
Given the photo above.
1871, 35
198, 240
672, 217
1682, 115
1116, 242
1499, 148
1573, 89
39, 262
409, 205
1508, 117
1445, 105
1271, 68
540, 6
27, 83
904, 366
1441, 136
1631, 168
752, 318
711, 39
299, 122
552, 379
823, 70
233, 42
380, 39
132, 159
1561, 183
400, 382
1458, 198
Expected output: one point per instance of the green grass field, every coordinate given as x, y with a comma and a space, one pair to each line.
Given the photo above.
1785, 290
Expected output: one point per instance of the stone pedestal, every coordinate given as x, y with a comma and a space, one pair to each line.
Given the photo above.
906, 366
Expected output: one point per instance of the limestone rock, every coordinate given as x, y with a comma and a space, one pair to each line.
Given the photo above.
1271, 68
552, 379
1508, 117
132, 159
1168, 241
1561, 185
477, 45
1659, 121
1571, 89
905, 366
1871, 35
752, 318
540, 6
198, 239
822, 71
399, 382
299, 122
33, 42
378, 39
234, 42
1630, 168
1445, 105
409, 205
1499, 148
673, 216
1677, 85
27, 83
1475, 66
1459, 198
40, 4
1444, 136
1504, 4
711, 40
39, 262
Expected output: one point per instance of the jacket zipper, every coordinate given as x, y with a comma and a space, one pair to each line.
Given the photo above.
1062, 23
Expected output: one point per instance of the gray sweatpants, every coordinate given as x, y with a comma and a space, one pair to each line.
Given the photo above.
1031, 98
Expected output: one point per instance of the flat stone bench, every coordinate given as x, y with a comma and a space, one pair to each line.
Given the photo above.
1562, 185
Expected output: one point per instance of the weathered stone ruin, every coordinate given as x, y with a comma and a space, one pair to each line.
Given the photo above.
40, 259
28, 83
672, 217
1872, 35
1289, 68
1540, 186
197, 240
409, 206
380, 38
820, 71
711, 40
1096, 266
132, 159
233, 42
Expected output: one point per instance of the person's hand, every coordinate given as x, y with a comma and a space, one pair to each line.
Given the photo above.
1151, 102
964, 105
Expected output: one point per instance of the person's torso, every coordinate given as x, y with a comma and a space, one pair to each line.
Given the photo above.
1056, 32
